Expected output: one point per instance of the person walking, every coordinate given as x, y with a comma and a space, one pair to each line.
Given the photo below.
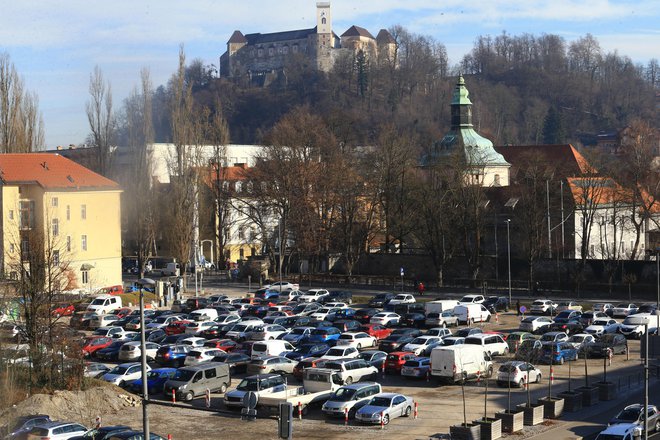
420, 288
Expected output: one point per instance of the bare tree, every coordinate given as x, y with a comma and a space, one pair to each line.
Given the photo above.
101, 119
21, 125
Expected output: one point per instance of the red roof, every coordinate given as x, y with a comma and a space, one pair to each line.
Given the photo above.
50, 171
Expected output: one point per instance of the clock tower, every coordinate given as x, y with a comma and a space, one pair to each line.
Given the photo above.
323, 18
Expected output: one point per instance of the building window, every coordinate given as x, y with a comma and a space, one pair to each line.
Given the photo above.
241, 233
11, 214
260, 52
68, 243
83, 242
25, 247
323, 20
53, 202
26, 214
295, 48
56, 258
11, 248
56, 227
68, 212
83, 212
496, 180
85, 276
285, 49
271, 51
241, 253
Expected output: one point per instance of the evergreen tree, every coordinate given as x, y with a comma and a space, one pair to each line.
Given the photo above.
554, 130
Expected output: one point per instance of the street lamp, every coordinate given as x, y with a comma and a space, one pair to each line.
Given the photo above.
142, 282
508, 251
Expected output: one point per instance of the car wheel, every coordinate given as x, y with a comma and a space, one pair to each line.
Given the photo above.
408, 412
121, 384
521, 383
386, 419
538, 378
348, 381
444, 325
656, 428
506, 351
488, 318
223, 388
359, 346
489, 373
561, 360
188, 396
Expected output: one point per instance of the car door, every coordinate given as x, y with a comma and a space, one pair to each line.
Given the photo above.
398, 406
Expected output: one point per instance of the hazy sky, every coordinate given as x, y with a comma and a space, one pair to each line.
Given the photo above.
55, 45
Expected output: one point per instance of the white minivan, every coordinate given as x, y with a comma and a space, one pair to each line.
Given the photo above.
460, 362
104, 304
204, 315
470, 313
274, 347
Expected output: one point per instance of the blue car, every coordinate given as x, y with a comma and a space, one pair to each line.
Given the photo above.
558, 353
324, 334
308, 350
156, 379
111, 352
172, 355
347, 313
297, 335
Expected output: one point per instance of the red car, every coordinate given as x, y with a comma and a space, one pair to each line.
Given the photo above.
123, 312
223, 344
96, 343
396, 359
63, 310
177, 327
376, 330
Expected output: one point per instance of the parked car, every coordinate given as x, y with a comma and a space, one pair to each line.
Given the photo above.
339, 295
516, 338
606, 344
449, 341
543, 307
63, 309
496, 304
468, 331
346, 313
569, 305
381, 299
580, 340
324, 334
124, 374
557, 353
518, 373
131, 351
349, 398
237, 362
534, 324
472, 299
394, 342
156, 379
396, 359
418, 367
440, 332
297, 335
414, 319
268, 332
494, 345
271, 364
347, 325
420, 344
602, 326
402, 298
111, 352
441, 319
201, 355
385, 318
587, 318
282, 286
621, 431
311, 362
376, 330
606, 308
95, 343
341, 352
529, 350
352, 370
635, 414
375, 358
570, 328
554, 337
172, 355
55, 431
259, 384
624, 309
358, 340
384, 407
308, 350
95, 369
567, 316
313, 295
364, 315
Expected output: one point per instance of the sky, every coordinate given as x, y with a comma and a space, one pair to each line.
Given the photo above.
55, 45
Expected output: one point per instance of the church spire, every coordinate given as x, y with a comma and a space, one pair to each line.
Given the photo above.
461, 106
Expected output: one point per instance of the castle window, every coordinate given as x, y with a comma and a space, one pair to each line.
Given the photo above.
260, 52
496, 180
279, 49
285, 49
271, 51
323, 20
295, 48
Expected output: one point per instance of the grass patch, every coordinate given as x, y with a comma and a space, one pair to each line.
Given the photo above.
134, 298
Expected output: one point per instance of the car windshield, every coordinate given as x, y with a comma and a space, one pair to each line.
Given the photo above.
529, 319
622, 306
419, 341
342, 394
319, 332
577, 338
346, 336
183, 375
298, 331
600, 322
507, 368
380, 401
119, 370
548, 337
630, 414
335, 352
247, 385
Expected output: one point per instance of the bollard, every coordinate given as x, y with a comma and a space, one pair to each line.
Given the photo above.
609, 358
552, 375
169, 436
299, 411
345, 416
382, 420
428, 375
208, 398
497, 318
517, 343
415, 413
173, 396
478, 377
383, 369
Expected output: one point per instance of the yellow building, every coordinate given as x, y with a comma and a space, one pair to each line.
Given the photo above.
72, 212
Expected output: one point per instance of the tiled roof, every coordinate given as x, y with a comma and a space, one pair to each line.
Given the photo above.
259, 38
564, 159
227, 174
384, 36
598, 190
237, 37
50, 171
357, 31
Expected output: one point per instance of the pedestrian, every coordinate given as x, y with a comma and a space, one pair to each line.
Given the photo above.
421, 288
518, 307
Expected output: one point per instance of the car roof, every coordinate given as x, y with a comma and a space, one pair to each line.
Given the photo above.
620, 428
55, 424
128, 364
388, 395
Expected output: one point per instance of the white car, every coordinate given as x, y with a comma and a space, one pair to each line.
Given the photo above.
518, 373
534, 324
554, 337
323, 313
131, 351
444, 319
602, 326
580, 340
313, 295
624, 309
290, 295
111, 332
197, 327
385, 318
356, 339
493, 344
420, 344
227, 319
163, 321
472, 299
543, 307
193, 341
124, 374
268, 332
440, 332
202, 354
54, 431
341, 352
402, 298
602, 307
282, 286
338, 305
102, 320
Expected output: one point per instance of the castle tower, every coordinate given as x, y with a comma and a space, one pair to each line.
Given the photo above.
323, 18
324, 37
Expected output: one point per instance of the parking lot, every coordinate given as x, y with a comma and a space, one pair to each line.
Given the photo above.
439, 405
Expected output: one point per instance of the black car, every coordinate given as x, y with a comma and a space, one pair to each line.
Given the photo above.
347, 325
338, 296
468, 331
111, 352
647, 308
308, 350
121, 322
296, 321
375, 358
23, 424
364, 315
496, 304
156, 335
394, 342
611, 342
570, 327
257, 310
319, 324
417, 320
102, 433
406, 331
237, 362
381, 299
347, 313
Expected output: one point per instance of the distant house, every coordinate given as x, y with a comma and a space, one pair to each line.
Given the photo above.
72, 211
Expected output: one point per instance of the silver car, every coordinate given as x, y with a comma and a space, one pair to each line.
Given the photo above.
271, 364
384, 407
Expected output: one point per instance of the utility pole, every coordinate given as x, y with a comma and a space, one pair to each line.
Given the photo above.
508, 251
646, 381
547, 198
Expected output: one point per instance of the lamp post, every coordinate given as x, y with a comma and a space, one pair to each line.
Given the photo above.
508, 251
143, 356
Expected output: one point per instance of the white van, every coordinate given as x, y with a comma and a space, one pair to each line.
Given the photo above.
274, 347
171, 269
104, 304
633, 325
204, 315
621, 431
440, 306
455, 362
471, 313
